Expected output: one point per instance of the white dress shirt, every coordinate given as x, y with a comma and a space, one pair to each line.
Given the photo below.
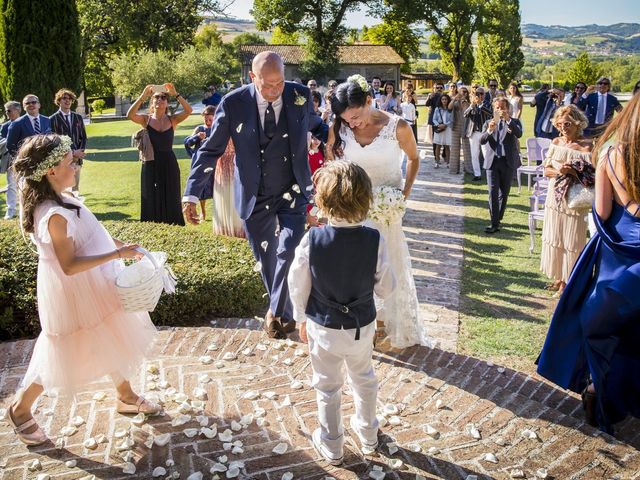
32, 119
602, 108
263, 104
299, 278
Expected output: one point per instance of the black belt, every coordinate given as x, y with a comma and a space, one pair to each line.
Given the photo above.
344, 308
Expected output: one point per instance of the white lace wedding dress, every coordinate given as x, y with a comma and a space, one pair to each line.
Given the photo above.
382, 160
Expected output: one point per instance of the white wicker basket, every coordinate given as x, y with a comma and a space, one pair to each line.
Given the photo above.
140, 284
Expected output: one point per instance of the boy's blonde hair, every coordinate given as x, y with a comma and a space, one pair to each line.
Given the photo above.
343, 191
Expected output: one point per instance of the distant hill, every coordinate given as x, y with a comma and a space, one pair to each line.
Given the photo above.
617, 39
232, 27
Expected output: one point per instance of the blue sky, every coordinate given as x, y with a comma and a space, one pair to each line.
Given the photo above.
544, 12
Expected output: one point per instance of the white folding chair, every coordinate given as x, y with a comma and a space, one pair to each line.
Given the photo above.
536, 149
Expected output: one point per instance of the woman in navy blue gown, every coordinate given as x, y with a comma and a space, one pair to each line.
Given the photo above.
592, 346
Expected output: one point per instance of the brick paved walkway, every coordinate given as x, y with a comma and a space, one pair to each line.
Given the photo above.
230, 376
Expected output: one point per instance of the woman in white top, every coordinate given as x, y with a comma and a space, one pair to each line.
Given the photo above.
515, 99
442, 124
409, 112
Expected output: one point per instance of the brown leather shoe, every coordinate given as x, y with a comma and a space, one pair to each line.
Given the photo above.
289, 327
273, 327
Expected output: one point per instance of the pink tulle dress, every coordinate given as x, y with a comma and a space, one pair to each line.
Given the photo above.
86, 334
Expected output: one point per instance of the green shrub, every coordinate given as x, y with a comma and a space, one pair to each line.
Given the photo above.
423, 91
98, 105
215, 276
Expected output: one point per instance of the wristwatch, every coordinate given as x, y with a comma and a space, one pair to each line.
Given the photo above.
178, 95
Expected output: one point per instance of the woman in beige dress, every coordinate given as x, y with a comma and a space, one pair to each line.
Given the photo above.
564, 233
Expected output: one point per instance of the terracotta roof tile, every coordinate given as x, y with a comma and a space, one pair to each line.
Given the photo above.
348, 54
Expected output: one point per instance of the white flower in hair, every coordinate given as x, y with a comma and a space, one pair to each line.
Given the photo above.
360, 81
52, 159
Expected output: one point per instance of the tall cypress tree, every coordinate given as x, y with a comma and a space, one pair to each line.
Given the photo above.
39, 49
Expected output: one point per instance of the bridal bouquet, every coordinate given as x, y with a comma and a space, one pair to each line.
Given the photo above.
388, 205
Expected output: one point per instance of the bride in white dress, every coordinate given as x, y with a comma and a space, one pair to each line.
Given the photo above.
376, 141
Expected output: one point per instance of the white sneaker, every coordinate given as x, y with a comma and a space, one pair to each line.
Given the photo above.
367, 448
316, 438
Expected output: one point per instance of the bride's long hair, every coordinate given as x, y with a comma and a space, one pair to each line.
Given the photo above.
346, 95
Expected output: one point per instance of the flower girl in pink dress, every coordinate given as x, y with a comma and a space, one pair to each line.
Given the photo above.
86, 334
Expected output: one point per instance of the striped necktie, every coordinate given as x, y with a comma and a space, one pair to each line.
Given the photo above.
36, 125
68, 120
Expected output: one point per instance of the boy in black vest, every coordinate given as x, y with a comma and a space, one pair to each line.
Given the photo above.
332, 280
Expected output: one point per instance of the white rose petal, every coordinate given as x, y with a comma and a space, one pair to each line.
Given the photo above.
152, 386
149, 442
138, 419
490, 457
235, 426
280, 448
71, 463
256, 268
286, 402
259, 412
90, 444
185, 407
202, 420
414, 447
174, 476
129, 468
120, 433
77, 421
247, 351
200, 393
395, 420
218, 467
169, 463
239, 128
382, 420
287, 196
237, 450
99, 396
260, 346
542, 473
471, 477
170, 391
270, 395
501, 442
225, 436
262, 422
61, 442
206, 359
251, 395
33, 465
233, 472
229, 356
434, 450
180, 420
190, 432
474, 432
43, 476
126, 444
163, 384
439, 404
296, 385
392, 447
246, 420
195, 476
162, 440
159, 472
288, 362
227, 446
209, 432
287, 476
377, 474
223, 459
396, 463
530, 434
431, 431
390, 409
500, 369
68, 431
517, 473
300, 352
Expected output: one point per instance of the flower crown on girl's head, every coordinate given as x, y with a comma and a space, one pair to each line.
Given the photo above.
52, 159
360, 81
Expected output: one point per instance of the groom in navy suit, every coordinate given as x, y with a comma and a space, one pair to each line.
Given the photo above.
268, 122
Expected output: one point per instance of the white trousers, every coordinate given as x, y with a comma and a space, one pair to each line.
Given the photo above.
329, 351
474, 139
12, 194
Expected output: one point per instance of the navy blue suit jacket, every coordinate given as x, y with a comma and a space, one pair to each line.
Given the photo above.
590, 107
237, 119
4, 129
21, 129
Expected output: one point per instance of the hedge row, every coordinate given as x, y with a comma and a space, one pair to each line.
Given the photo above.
215, 276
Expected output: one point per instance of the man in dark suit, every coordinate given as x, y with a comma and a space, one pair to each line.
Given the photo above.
599, 107
539, 101
545, 127
32, 123
501, 158
268, 122
376, 93
12, 110
66, 122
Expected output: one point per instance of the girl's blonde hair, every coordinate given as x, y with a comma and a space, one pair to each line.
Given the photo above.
343, 191
33, 192
578, 118
624, 130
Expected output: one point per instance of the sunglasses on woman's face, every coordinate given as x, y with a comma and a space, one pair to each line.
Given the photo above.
565, 124
160, 97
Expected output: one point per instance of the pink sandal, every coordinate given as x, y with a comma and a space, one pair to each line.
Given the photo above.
37, 437
142, 405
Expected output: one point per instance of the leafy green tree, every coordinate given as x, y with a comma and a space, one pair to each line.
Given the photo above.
395, 32
39, 50
280, 37
454, 24
498, 55
320, 21
113, 27
583, 70
208, 36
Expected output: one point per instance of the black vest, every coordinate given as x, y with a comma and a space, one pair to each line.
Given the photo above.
343, 265
275, 162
